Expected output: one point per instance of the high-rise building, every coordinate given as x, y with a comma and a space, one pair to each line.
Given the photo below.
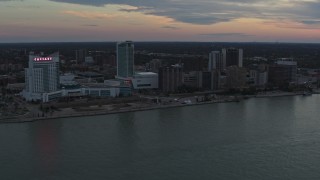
42, 75
216, 61
170, 78
211, 80
81, 55
154, 65
125, 59
233, 57
283, 72
258, 75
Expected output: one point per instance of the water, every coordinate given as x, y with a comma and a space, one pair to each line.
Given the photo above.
275, 138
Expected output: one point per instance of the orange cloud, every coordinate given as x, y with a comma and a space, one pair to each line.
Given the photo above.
90, 15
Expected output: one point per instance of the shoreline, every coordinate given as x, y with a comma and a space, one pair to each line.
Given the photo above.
136, 109
100, 113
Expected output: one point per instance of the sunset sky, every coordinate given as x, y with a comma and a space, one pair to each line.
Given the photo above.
160, 20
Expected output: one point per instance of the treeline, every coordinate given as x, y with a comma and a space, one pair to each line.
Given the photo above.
308, 55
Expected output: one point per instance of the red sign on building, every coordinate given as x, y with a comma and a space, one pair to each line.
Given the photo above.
43, 59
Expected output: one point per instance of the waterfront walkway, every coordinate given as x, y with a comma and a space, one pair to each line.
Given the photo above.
131, 107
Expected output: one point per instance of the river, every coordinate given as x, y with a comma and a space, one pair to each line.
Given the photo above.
267, 138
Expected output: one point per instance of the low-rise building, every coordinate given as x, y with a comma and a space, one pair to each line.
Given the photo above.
100, 90
193, 79
145, 80
258, 75
236, 77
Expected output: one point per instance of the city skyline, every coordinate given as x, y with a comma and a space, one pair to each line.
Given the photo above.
166, 20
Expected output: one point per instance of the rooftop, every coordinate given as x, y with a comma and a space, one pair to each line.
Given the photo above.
146, 73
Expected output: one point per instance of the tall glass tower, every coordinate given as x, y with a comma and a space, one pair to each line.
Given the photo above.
125, 59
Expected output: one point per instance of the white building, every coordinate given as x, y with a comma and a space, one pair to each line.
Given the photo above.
93, 90
193, 79
263, 79
145, 80
41, 76
258, 78
67, 78
216, 61
89, 60
286, 61
100, 90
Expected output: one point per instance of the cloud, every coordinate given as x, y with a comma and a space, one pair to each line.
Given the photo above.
307, 24
90, 15
9, 0
170, 27
206, 12
90, 25
311, 21
226, 34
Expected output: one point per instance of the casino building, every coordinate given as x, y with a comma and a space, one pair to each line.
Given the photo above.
41, 76
44, 83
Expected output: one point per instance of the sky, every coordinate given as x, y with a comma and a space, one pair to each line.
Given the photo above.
160, 20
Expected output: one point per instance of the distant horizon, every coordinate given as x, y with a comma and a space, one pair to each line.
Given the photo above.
238, 42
